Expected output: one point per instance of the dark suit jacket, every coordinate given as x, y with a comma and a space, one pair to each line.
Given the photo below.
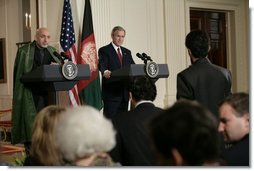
238, 153
133, 146
205, 82
108, 60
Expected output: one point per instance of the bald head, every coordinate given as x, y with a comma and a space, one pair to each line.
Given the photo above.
42, 37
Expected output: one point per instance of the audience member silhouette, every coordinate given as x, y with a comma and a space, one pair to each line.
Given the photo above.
235, 127
84, 136
203, 81
186, 135
44, 151
133, 147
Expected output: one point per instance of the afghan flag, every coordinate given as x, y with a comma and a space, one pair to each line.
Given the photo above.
89, 90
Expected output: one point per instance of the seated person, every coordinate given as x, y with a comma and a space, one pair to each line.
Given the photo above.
133, 147
44, 151
84, 136
235, 127
186, 135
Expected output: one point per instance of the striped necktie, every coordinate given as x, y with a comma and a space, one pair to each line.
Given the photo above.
120, 55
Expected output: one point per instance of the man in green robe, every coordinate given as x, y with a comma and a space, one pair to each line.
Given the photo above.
28, 100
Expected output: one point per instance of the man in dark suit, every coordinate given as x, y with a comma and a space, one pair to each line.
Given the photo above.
112, 57
203, 81
235, 128
132, 141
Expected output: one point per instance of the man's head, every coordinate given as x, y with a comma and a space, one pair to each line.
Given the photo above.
142, 88
198, 43
117, 35
42, 37
234, 117
185, 134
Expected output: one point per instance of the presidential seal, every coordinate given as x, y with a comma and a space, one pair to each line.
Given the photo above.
69, 70
152, 69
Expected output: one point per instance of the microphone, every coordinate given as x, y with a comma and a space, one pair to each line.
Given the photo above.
58, 56
146, 56
65, 56
140, 56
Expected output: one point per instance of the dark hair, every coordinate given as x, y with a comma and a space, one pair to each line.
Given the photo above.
188, 127
198, 42
142, 88
117, 28
239, 102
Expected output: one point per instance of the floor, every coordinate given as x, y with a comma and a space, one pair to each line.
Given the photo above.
13, 155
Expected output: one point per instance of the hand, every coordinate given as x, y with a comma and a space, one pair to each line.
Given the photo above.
54, 63
66, 60
107, 74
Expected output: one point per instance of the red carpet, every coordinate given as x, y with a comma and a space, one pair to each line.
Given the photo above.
6, 149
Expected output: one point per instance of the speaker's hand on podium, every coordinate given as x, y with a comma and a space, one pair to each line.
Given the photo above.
66, 60
107, 74
54, 63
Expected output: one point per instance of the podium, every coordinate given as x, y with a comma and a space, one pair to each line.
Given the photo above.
50, 78
137, 70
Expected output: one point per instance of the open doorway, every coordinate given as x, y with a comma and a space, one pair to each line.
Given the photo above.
214, 24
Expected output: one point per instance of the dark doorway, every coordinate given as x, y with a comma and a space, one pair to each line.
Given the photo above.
214, 24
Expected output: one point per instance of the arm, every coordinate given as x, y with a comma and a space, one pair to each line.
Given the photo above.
103, 60
104, 63
15, 70
55, 59
184, 89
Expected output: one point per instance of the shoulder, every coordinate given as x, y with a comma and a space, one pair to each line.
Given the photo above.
125, 49
242, 144
159, 109
186, 71
26, 47
121, 116
106, 47
51, 48
223, 72
237, 155
120, 120
152, 108
220, 68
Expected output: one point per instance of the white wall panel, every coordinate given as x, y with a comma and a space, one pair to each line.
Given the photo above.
175, 32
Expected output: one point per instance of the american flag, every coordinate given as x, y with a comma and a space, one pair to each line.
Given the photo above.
67, 41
